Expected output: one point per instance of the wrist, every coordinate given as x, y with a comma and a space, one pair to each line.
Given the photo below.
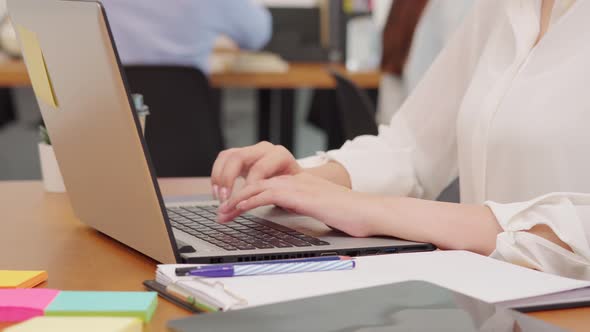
333, 172
376, 216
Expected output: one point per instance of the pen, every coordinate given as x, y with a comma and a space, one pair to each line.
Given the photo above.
214, 271
185, 271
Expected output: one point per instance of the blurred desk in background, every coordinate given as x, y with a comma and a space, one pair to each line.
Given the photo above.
299, 75
13, 73
276, 90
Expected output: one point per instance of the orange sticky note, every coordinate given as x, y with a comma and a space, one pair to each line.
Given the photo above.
21, 279
36, 66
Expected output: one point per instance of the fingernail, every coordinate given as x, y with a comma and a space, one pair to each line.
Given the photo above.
224, 194
215, 191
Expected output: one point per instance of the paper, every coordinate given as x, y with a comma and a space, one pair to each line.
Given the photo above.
37, 67
21, 279
289, 3
477, 276
76, 324
21, 304
128, 304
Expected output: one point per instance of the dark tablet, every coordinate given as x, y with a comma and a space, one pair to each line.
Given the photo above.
407, 306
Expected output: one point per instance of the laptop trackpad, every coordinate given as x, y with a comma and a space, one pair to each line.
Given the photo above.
306, 225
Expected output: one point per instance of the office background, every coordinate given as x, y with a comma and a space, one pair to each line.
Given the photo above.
352, 25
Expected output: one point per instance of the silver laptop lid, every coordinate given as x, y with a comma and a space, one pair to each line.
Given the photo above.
94, 130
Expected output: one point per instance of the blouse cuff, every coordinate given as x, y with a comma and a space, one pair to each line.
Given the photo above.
561, 212
318, 160
375, 171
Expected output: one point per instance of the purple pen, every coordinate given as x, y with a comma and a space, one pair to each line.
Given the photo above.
185, 271
276, 268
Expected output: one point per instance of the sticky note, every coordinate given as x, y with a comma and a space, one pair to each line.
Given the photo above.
117, 304
21, 279
21, 304
77, 324
37, 67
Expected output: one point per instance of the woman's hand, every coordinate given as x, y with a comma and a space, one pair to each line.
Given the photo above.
446, 225
257, 162
305, 194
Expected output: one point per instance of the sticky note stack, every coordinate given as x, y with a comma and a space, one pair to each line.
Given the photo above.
126, 304
20, 304
21, 279
76, 324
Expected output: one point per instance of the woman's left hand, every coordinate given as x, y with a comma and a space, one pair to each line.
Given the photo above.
336, 206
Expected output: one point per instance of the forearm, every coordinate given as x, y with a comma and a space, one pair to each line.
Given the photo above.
333, 172
446, 225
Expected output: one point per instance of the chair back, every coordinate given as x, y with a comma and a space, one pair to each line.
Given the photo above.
356, 111
183, 130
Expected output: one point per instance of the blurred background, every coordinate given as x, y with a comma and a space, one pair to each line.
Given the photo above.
308, 74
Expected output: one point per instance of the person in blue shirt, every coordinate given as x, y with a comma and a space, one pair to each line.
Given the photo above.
184, 32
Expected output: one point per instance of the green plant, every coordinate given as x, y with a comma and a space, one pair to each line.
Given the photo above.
44, 135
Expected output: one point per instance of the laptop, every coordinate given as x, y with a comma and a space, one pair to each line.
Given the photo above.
85, 102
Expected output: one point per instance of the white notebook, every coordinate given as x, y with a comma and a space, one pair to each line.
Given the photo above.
474, 275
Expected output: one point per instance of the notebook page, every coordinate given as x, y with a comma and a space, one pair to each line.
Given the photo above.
474, 275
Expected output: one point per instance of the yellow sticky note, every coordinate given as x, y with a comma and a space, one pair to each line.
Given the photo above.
21, 279
36, 66
76, 324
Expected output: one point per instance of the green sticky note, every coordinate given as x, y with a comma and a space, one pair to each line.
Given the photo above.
115, 304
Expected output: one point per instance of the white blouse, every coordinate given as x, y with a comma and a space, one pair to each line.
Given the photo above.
511, 119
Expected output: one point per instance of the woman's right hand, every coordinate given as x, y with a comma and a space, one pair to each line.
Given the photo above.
257, 162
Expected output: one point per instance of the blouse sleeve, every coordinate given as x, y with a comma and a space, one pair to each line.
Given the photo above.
567, 214
416, 155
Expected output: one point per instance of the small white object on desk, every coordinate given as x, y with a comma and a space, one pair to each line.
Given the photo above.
247, 62
52, 178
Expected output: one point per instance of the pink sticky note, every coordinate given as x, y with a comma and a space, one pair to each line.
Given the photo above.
17, 305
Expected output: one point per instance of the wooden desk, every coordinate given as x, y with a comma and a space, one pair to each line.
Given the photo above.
13, 73
39, 231
300, 75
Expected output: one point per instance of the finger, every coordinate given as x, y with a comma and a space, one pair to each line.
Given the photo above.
222, 157
216, 170
238, 161
282, 183
284, 198
269, 165
228, 217
264, 198
246, 192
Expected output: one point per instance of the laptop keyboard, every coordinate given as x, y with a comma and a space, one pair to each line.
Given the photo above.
246, 232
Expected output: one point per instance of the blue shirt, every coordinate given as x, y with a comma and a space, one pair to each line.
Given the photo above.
183, 32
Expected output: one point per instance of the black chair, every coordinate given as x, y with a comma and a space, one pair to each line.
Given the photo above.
355, 111
7, 113
183, 130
